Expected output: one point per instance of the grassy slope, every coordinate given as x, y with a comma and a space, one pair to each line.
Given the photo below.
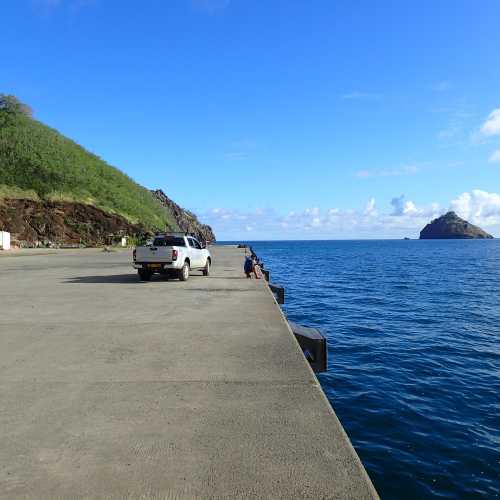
37, 162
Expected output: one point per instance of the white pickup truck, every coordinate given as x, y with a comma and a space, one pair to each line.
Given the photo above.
173, 255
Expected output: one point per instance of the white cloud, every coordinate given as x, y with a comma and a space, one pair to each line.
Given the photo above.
225, 214
390, 172
402, 217
312, 211
402, 207
314, 222
370, 207
495, 157
478, 207
492, 125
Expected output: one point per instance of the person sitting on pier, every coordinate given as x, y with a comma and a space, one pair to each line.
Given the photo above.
250, 266
256, 267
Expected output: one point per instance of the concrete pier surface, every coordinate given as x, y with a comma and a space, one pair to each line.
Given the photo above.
112, 388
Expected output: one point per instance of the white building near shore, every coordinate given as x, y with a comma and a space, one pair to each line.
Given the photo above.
4, 240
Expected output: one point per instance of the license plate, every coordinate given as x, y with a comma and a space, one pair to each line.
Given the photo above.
154, 266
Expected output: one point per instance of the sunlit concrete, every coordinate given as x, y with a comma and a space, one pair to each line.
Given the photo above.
112, 388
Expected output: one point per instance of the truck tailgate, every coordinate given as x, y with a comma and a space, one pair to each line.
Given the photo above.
154, 254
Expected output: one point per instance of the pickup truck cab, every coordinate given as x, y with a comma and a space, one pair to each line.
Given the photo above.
173, 255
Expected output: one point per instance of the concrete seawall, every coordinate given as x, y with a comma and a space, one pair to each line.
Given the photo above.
111, 388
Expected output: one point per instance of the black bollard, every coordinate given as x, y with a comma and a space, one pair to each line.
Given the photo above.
279, 292
313, 345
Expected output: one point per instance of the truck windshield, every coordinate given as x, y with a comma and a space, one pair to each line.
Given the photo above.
169, 241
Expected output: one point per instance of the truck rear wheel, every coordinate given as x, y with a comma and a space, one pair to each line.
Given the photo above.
184, 272
206, 269
144, 275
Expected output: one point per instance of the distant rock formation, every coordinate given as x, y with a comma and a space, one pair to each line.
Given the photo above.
451, 226
186, 220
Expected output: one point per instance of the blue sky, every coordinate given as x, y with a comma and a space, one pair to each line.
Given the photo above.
276, 119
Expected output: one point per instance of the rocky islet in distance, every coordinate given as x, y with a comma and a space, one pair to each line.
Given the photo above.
451, 226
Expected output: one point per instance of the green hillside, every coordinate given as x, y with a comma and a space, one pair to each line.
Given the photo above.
38, 162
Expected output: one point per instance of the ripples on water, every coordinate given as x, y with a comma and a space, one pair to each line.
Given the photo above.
413, 330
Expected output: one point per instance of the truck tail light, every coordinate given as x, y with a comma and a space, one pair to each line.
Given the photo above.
174, 254
134, 253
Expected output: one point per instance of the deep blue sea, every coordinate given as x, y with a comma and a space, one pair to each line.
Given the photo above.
413, 330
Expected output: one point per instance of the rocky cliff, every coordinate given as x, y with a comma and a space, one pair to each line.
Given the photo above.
46, 223
451, 226
186, 220
34, 223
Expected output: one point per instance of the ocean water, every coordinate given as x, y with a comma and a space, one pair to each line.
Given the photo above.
413, 330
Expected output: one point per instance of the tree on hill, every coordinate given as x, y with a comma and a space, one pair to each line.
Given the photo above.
11, 104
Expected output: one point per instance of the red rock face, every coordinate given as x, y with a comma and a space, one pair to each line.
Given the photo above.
44, 222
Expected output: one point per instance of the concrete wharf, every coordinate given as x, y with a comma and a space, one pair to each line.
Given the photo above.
112, 388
